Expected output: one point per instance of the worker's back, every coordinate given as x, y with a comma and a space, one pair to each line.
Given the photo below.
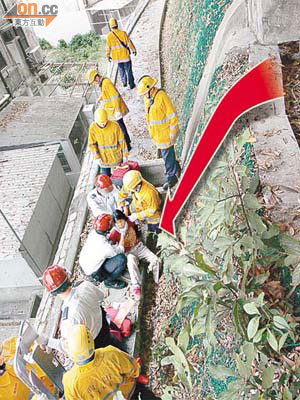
110, 371
118, 51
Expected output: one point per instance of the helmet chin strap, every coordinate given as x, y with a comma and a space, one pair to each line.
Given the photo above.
86, 361
2, 369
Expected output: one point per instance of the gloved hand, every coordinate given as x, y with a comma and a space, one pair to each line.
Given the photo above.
133, 217
143, 379
42, 341
134, 52
109, 59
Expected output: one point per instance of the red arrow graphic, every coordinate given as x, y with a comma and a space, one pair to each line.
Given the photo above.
260, 85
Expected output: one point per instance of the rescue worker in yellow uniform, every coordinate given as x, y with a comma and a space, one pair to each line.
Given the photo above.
106, 142
111, 100
118, 48
100, 374
145, 199
11, 387
163, 125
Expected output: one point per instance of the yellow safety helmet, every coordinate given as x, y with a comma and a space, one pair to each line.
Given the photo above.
80, 344
145, 84
91, 75
100, 116
113, 23
131, 179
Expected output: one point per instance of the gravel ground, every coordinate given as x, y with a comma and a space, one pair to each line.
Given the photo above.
289, 53
145, 39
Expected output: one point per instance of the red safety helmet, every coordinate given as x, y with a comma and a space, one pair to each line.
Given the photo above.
54, 277
103, 223
103, 181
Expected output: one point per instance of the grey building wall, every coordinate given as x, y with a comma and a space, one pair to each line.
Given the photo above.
42, 231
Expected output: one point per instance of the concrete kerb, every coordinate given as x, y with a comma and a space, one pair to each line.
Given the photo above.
280, 140
162, 20
49, 311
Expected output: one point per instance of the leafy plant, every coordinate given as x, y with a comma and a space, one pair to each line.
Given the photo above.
44, 44
62, 44
227, 259
85, 40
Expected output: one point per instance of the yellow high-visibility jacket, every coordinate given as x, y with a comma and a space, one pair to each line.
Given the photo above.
113, 102
114, 48
107, 144
162, 119
11, 388
10, 383
111, 371
146, 201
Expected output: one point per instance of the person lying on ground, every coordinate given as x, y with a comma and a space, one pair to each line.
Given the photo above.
133, 245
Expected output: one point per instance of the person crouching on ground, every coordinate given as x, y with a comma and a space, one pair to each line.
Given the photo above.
132, 244
81, 304
100, 374
145, 200
100, 260
103, 199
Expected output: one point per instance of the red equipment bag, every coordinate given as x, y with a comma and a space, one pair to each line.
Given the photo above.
121, 170
125, 328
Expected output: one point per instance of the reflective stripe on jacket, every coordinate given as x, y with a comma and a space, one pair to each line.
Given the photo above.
111, 371
113, 102
146, 201
107, 144
162, 119
114, 48
10, 383
82, 306
103, 203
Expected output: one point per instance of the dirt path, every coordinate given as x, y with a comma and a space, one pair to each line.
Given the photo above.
145, 36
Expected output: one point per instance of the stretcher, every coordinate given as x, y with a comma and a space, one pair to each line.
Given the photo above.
27, 353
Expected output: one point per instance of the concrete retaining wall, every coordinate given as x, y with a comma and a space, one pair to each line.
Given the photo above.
275, 21
248, 28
